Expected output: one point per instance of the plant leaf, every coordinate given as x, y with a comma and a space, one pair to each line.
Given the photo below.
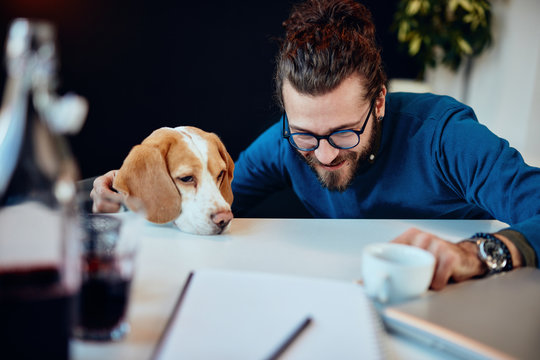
414, 45
464, 46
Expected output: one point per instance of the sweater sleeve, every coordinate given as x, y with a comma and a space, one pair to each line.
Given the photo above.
259, 171
484, 170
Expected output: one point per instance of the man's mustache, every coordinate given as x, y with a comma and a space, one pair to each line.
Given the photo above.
313, 161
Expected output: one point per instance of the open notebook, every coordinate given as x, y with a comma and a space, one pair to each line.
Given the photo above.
224, 314
493, 318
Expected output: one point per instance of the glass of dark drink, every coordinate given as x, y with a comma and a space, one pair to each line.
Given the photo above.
38, 283
108, 256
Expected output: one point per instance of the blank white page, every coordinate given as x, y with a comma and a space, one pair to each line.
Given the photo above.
238, 315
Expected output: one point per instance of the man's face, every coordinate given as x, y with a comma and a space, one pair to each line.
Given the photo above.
342, 108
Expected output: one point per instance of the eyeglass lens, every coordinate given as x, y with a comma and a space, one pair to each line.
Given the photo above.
341, 139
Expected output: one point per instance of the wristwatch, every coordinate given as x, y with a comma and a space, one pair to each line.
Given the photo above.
492, 252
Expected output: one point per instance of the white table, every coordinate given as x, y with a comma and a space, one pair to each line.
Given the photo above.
309, 247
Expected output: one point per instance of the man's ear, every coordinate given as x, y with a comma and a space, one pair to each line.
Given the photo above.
144, 176
380, 103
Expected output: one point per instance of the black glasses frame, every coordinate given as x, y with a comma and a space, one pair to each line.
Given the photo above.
288, 135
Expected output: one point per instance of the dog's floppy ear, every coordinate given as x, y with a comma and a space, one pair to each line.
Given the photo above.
225, 187
144, 176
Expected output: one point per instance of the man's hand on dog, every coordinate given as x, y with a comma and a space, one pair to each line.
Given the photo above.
106, 200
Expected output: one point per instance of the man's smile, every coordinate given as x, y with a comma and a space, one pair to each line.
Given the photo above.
333, 167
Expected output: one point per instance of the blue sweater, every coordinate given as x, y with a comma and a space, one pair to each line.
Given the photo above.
435, 161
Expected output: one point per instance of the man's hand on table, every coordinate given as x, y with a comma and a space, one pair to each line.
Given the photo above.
105, 199
456, 261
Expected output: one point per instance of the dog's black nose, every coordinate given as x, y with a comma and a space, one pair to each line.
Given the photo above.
222, 218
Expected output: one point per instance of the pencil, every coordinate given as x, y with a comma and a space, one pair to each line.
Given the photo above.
168, 326
290, 339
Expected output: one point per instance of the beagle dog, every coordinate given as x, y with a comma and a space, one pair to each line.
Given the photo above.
181, 175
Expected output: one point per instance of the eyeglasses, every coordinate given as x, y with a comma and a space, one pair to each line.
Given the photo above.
341, 139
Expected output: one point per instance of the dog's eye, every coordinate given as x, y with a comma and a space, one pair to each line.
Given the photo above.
186, 179
220, 176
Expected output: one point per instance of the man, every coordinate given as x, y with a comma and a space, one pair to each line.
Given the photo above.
351, 150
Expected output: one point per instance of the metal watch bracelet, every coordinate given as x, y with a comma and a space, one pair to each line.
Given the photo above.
492, 252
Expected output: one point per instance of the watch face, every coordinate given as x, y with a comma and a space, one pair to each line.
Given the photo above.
493, 254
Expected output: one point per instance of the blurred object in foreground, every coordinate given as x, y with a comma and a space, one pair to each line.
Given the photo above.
39, 255
108, 265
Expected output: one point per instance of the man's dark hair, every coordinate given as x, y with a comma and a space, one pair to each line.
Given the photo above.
325, 42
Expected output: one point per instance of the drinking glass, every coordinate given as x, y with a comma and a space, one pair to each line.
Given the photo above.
109, 248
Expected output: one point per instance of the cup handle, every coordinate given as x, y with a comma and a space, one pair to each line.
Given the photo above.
383, 294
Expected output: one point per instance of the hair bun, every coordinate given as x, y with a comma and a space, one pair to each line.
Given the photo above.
320, 18
326, 41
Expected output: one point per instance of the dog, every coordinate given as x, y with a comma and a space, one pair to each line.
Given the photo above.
182, 175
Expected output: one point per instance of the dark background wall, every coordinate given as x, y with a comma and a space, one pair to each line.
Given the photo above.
147, 64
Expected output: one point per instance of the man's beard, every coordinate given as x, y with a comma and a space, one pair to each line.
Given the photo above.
339, 180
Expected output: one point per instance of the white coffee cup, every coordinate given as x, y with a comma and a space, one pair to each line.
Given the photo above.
395, 272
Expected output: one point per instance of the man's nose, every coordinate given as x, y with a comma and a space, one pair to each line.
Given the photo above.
326, 153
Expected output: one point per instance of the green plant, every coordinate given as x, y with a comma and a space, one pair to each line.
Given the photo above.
443, 31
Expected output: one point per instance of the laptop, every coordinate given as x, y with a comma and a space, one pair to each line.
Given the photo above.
491, 318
